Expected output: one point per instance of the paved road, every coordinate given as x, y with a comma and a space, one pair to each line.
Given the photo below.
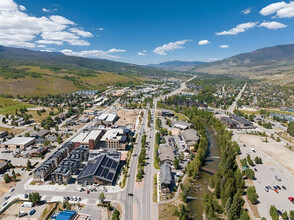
233, 106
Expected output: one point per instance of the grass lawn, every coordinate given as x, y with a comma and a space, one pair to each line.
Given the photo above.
8, 106
181, 116
13, 130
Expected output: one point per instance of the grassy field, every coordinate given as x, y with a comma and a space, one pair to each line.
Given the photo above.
269, 110
8, 106
39, 118
181, 116
50, 82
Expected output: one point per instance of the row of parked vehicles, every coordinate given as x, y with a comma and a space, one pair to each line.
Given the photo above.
73, 198
275, 188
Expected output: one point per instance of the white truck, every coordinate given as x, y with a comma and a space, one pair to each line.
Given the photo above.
28, 204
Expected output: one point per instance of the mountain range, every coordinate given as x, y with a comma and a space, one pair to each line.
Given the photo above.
177, 65
273, 64
24, 71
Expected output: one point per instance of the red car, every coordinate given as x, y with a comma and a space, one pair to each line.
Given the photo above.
291, 199
276, 190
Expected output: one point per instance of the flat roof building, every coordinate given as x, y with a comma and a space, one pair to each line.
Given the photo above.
18, 142
89, 138
182, 125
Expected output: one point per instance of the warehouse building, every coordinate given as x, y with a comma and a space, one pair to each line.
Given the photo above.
89, 138
108, 118
166, 113
101, 169
18, 143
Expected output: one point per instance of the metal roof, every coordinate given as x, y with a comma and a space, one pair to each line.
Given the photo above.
18, 141
104, 167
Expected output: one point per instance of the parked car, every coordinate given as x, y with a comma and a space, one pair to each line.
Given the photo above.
279, 187
266, 189
130, 194
284, 187
7, 197
291, 199
11, 190
276, 191
26, 196
278, 178
32, 211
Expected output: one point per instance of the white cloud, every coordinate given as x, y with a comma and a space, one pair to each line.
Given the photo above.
114, 50
50, 42
240, 28
203, 42
41, 46
46, 50
170, 47
21, 29
81, 32
22, 8
287, 11
101, 29
95, 53
141, 54
224, 46
48, 10
212, 59
272, 25
272, 8
246, 11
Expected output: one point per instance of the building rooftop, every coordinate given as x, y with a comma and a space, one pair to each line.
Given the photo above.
18, 141
85, 136
103, 166
165, 173
166, 152
66, 215
190, 135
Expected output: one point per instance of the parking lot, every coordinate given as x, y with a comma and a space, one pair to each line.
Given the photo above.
265, 176
12, 211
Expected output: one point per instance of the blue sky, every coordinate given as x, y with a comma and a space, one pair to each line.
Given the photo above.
144, 32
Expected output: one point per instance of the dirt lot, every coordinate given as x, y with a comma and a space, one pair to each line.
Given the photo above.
275, 149
12, 212
127, 117
4, 187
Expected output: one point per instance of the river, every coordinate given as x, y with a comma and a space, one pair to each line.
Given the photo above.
199, 186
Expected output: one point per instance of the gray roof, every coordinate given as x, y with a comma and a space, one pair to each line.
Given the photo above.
18, 141
240, 120
166, 152
165, 173
190, 135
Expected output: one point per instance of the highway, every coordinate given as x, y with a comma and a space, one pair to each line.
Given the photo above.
233, 106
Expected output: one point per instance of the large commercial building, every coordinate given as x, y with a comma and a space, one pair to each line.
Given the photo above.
18, 142
108, 118
101, 169
89, 138
116, 138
